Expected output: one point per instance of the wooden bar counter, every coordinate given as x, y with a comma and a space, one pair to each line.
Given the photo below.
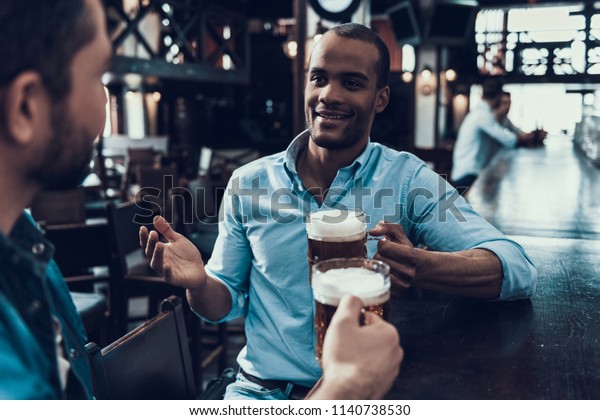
550, 191
544, 348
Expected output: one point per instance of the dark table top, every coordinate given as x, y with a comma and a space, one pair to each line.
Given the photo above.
544, 348
552, 191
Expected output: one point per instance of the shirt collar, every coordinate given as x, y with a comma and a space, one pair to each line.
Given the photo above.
301, 142
294, 149
27, 240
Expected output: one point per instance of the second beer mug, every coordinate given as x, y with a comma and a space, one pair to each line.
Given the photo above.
366, 279
335, 233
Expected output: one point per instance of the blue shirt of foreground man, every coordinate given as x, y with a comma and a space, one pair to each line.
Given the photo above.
52, 106
259, 267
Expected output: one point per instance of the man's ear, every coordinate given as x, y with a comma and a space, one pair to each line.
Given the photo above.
25, 107
383, 98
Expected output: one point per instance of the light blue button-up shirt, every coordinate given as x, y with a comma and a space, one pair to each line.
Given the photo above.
479, 137
261, 252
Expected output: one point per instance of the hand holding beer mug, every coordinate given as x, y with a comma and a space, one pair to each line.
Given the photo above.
367, 279
335, 233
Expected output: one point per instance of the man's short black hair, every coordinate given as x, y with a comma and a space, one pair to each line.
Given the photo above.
492, 88
42, 36
361, 32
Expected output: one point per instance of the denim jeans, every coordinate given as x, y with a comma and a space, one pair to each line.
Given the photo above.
464, 183
243, 389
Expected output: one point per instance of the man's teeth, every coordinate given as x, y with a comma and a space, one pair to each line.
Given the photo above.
331, 117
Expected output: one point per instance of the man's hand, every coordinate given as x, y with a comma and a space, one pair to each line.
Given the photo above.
178, 260
539, 135
532, 139
397, 251
359, 362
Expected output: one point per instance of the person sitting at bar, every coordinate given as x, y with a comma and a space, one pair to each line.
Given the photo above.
501, 113
259, 268
51, 109
480, 136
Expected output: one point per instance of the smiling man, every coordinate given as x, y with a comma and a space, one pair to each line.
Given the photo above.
259, 267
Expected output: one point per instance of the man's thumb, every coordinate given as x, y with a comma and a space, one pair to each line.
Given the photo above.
165, 229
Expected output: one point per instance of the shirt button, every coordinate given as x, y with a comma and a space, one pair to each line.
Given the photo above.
73, 354
38, 249
34, 306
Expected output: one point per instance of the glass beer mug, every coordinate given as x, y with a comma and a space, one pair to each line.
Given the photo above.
367, 279
335, 233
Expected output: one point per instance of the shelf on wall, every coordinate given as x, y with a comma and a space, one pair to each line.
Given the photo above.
162, 70
167, 39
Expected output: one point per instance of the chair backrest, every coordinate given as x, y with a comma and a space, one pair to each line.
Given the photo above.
150, 177
79, 247
59, 207
204, 195
135, 158
156, 190
142, 156
130, 268
201, 216
124, 221
151, 362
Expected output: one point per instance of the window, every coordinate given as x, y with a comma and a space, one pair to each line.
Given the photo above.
539, 41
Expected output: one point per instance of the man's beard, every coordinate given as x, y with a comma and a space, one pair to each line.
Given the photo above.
351, 135
66, 161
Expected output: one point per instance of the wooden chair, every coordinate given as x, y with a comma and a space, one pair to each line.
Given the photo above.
203, 232
145, 157
83, 256
151, 362
59, 207
82, 252
93, 310
202, 227
132, 272
130, 269
156, 191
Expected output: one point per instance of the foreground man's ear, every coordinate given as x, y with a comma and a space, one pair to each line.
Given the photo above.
383, 98
26, 107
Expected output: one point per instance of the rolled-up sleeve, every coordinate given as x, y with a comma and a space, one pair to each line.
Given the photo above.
498, 132
439, 218
520, 275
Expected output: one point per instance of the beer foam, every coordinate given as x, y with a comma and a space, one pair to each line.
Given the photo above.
329, 287
336, 225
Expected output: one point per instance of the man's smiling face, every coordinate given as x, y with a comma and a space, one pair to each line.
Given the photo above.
341, 95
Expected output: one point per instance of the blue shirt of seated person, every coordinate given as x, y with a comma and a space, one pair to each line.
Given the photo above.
261, 251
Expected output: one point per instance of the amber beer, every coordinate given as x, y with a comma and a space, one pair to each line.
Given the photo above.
367, 279
335, 233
